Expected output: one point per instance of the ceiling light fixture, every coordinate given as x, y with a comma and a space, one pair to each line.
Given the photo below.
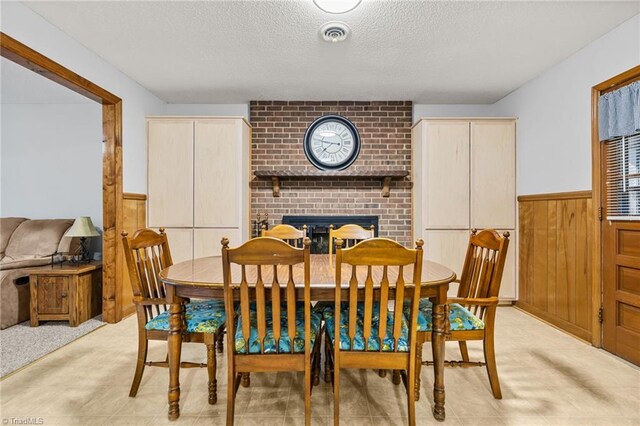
334, 32
337, 6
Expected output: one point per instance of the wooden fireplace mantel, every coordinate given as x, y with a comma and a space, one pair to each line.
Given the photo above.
386, 176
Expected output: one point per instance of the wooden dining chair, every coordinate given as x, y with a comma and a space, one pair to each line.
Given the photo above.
350, 234
472, 313
369, 329
288, 233
268, 329
146, 254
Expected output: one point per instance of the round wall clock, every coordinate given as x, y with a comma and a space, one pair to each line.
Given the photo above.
332, 142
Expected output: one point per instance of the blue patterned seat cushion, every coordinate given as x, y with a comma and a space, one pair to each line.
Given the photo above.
373, 343
460, 317
284, 344
202, 316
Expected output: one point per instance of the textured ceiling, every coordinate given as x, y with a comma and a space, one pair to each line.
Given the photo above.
425, 51
23, 86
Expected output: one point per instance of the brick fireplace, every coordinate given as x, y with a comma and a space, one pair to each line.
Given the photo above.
385, 132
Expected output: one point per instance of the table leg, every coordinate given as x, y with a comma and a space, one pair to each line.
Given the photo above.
176, 320
438, 340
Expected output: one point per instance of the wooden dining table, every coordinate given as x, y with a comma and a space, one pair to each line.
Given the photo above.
203, 279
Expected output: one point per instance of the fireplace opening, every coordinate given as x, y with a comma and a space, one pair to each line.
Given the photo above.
318, 227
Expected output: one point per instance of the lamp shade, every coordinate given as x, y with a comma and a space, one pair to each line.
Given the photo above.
82, 227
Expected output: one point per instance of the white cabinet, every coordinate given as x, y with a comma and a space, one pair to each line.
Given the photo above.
198, 179
444, 162
170, 173
493, 174
180, 243
464, 178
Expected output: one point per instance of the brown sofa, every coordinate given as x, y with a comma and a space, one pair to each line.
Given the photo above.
25, 244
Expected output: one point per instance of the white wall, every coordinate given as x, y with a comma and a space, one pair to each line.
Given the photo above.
235, 110
554, 110
21, 23
51, 158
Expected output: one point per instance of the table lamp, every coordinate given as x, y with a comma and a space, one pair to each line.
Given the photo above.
83, 228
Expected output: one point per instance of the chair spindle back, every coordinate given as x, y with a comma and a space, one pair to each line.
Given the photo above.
350, 235
266, 260
146, 254
483, 266
294, 237
385, 262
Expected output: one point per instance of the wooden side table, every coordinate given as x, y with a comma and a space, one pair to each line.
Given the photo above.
66, 292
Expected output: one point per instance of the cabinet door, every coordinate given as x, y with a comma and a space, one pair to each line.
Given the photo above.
218, 168
445, 175
493, 174
170, 173
53, 294
448, 248
206, 242
180, 244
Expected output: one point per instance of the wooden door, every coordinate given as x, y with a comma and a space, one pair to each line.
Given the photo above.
621, 248
170, 173
621, 289
445, 175
493, 174
217, 178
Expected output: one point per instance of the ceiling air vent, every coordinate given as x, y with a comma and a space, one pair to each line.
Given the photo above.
335, 32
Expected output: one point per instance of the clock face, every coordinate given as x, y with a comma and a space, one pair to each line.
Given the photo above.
332, 143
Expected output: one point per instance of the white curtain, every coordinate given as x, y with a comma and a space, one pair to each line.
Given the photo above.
619, 112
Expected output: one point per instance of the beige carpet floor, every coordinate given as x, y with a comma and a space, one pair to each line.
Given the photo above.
22, 344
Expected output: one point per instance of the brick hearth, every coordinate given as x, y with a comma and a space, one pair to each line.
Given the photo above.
385, 132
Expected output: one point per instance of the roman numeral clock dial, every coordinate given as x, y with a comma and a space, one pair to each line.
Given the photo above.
332, 142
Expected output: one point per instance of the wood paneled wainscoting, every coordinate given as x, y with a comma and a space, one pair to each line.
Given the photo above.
134, 208
555, 260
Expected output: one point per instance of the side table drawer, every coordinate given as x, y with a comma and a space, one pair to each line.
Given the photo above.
53, 294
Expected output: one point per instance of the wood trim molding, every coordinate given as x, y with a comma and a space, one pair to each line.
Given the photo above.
613, 83
200, 117
132, 196
21, 54
462, 119
556, 196
619, 80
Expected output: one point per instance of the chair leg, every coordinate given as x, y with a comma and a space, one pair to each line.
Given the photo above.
411, 393
463, 350
395, 378
328, 368
220, 341
211, 369
492, 369
231, 391
307, 394
336, 393
418, 368
246, 380
316, 361
142, 358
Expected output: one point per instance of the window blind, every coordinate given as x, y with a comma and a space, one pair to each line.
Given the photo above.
622, 156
